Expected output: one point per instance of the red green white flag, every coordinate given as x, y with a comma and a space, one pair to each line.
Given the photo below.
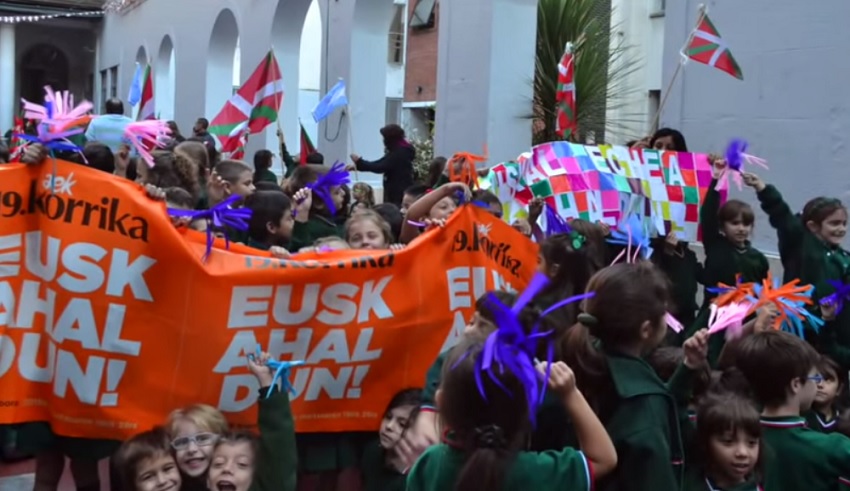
255, 105
147, 105
708, 47
306, 145
565, 96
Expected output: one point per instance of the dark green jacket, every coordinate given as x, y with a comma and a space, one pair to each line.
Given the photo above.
304, 234
288, 162
645, 430
277, 462
685, 273
265, 175
695, 480
432, 379
814, 262
377, 476
814, 421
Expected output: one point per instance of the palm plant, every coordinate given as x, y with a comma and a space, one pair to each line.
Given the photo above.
601, 67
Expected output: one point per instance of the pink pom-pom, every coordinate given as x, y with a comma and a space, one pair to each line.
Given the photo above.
58, 116
147, 135
729, 317
673, 323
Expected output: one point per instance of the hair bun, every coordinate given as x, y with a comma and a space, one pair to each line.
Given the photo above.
490, 436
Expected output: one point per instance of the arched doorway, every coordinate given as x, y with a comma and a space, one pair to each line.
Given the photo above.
142, 56
221, 58
165, 79
42, 65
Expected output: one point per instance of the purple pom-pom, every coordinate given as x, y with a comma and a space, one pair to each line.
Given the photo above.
735, 154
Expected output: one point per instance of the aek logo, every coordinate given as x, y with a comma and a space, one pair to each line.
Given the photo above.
53, 198
59, 184
479, 241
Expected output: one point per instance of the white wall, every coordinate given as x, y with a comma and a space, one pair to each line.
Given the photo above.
792, 105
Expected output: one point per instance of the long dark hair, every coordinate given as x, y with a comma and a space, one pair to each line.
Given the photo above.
626, 296
489, 432
572, 273
722, 412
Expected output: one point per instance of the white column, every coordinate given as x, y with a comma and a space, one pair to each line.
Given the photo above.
7, 77
485, 72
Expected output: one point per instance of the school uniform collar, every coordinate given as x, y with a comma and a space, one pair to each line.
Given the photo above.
827, 424
783, 422
746, 486
633, 376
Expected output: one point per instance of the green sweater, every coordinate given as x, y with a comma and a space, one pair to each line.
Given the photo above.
814, 262
305, 234
377, 476
685, 273
277, 462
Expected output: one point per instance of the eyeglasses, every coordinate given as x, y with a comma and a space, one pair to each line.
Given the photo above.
199, 439
816, 378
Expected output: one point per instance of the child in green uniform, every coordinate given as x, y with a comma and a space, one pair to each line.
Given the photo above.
271, 220
728, 446
782, 370
488, 417
810, 248
726, 234
318, 200
680, 264
626, 318
382, 467
825, 412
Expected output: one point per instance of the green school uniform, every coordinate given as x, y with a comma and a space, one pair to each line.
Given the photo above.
432, 379
377, 475
645, 429
288, 162
304, 234
568, 469
257, 244
695, 480
276, 463
815, 421
814, 262
685, 273
265, 175
803, 459
723, 262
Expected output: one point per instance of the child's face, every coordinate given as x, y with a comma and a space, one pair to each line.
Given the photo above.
178, 221
736, 231
832, 229
406, 201
158, 474
734, 455
827, 390
192, 447
338, 195
244, 184
807, 389
283, 229
366, 234
443, 209
479, 324
393, 426
232, 467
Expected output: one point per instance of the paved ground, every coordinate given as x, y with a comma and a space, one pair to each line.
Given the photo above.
21, 476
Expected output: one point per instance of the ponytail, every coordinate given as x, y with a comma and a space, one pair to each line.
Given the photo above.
486, 462
593, 377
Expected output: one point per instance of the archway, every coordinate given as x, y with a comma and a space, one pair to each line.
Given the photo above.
42, 65
288, 38
222, 54
142, 56
165, 79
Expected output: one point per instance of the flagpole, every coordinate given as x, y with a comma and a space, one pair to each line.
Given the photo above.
351, 137
278, 101
657, 119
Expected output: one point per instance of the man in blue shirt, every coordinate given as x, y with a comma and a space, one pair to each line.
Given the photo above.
109, 128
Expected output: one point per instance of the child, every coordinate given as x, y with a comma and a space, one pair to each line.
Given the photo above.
728, 446
489, 426
170, 169
315, 215
393, 216
263, 160
810, 249
685, 272
193, 431
437, 175
180, 199
363, 193
271, 220
367, 230
726, 237
626, 318
436, 205
233, 177
145, 463
490, 200
412, 194
242, 461
782, 371
825, 409
382, 467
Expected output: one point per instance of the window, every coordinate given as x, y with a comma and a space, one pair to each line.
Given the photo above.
393, 115
423, 14
104, 85
396, 45
113, 82
657, 8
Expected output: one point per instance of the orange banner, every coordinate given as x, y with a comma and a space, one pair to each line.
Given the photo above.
109, 318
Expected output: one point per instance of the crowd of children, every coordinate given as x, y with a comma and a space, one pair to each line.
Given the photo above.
603, 396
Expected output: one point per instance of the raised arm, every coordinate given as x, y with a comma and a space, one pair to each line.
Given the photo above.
789, 228
421, 207
287, 159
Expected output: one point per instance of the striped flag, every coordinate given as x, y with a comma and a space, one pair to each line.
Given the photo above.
256, 103
147, 107
306, 145
707, 47
565, 97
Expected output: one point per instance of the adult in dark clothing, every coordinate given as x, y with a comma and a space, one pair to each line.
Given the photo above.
201, 134
396, 165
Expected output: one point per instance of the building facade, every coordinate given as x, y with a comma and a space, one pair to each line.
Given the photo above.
791, 106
